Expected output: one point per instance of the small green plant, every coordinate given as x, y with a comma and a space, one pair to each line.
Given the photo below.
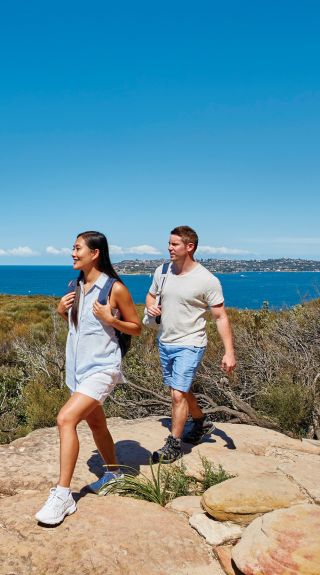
166, 483
140, 486
177, 481
211, 475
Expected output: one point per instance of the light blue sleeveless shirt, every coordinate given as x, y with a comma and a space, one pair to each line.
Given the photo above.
93, 347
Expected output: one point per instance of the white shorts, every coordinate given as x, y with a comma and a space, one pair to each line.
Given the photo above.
99, 385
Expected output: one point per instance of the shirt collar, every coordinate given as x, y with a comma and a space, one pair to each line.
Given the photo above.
100, 281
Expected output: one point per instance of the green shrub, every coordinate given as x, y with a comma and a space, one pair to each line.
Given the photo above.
288, 403
42, 404
11, 427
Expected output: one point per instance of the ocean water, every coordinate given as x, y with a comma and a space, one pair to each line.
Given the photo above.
241, 290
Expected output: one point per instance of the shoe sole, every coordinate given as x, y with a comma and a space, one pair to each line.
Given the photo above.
96, 491
207, 432
156, 458
69, 511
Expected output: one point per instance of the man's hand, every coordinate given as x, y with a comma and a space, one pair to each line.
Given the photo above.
228, 362
154, 310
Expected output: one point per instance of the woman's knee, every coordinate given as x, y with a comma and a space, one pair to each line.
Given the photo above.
66, 418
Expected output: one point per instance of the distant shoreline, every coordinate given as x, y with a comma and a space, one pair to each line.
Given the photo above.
150, 274
241, 272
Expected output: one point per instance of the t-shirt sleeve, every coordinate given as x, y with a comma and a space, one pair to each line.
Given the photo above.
155, 282
213, 294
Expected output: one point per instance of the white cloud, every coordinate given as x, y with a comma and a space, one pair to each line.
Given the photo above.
143, 249
58, 251
116, 250
221, 250
22, 251
3, 252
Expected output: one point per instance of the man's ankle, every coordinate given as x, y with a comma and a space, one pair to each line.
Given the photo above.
176, 436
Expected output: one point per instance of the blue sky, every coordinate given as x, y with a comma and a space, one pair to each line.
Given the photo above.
134, 117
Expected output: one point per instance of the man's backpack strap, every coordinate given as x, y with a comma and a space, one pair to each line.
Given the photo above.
163, 277
165, 268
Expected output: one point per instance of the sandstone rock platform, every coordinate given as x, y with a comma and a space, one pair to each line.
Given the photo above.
113, 535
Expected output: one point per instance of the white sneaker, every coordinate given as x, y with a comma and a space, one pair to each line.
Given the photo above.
56, 508
108, 477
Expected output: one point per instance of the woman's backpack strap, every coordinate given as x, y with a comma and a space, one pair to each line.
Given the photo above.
105, 291
72, 285
123, 338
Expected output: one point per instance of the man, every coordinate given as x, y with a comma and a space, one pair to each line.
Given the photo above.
188, 291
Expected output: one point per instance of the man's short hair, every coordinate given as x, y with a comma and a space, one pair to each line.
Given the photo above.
187, 234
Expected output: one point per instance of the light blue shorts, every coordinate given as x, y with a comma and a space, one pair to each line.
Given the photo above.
179, 365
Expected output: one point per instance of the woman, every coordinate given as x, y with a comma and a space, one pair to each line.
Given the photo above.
93, 365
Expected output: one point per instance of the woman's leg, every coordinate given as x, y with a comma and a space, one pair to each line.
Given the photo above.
77, 408
102, 436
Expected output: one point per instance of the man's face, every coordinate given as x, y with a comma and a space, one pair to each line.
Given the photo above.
178, 249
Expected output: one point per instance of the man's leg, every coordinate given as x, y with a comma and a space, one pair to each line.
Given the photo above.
201, 425
180, 412
172, 448
194, 409
185, 402
184, 369
179, 365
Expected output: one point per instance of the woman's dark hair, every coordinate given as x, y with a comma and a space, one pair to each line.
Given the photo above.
94, 241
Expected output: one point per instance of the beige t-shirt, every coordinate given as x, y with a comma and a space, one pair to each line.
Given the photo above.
185, 299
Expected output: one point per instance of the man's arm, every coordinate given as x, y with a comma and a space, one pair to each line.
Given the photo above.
219, 314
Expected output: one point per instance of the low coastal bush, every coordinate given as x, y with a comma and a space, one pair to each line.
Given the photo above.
276, 383
290, 404
42, 404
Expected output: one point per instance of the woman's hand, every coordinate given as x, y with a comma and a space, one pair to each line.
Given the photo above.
121, 300
103, 312
66, 303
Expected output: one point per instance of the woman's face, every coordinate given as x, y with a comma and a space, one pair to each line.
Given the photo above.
83, 257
